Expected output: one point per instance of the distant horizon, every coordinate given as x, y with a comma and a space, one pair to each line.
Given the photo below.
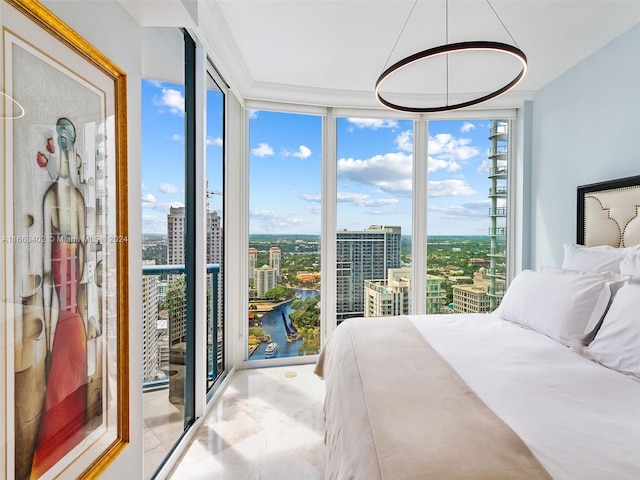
318, 235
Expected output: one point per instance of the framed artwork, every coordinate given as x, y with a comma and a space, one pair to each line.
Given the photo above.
63, 251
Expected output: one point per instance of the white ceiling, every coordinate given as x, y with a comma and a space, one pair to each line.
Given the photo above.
330, 52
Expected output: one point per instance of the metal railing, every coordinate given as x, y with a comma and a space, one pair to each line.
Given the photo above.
497, 171
497, 191
214, 270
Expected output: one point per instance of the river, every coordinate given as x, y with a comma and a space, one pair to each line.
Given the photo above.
273, 325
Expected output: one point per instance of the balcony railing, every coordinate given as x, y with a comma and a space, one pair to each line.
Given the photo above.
498, 191
498, 212
212, 334
500, 129
498, 150
497, 171
495, 232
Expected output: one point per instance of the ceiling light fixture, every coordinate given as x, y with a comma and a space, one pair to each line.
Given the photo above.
447, 49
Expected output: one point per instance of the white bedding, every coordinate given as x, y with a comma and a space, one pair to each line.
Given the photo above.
580, 419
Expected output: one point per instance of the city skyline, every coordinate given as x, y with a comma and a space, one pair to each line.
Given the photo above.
374, 169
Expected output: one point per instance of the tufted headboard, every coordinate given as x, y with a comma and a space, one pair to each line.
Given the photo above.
609, 213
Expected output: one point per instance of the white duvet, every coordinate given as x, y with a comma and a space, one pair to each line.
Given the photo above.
580, 419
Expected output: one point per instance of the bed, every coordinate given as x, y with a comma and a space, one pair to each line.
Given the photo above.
547, 386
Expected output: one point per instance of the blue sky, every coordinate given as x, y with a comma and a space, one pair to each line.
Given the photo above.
374, 169
163, 169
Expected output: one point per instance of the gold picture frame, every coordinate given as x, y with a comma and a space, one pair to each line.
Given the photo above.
63, 251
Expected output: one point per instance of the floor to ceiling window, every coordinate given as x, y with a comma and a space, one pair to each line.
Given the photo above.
467, 214
374, 190
173, 153
163, 214
215, 115
283, 317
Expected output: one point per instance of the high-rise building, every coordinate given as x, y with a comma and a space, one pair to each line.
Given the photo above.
253, 258
175, 236
498, 154
363, 255
436, 295
393, 296
150, 360
274, 260
214, 238
473, 298
176, 223
386, 298
265, 280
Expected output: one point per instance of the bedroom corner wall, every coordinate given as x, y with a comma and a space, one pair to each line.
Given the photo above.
585, 129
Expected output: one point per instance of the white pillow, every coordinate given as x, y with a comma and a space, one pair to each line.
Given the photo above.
630, 265
617, 343
558, 305
603, 258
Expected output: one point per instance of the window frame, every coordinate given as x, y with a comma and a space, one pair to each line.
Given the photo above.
419, 205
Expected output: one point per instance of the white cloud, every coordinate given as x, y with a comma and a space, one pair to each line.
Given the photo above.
177, 137
390, 172
448, 188
404, 141
172, 100
162, 207
447, 152
434, 164
359, 199
253, 114
485, 167
262, 150
372, 123
217, 141
467, 126
149, 198
311, 198
314, 210
364, 200
154, 223
447, 146
475, 210
303, 152
168, 188
269, 221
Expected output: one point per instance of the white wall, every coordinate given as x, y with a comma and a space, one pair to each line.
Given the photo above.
585, 129
112, 31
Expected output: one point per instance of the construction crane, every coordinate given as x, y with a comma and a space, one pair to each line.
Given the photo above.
211, 193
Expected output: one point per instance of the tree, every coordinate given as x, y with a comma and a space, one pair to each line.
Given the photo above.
174, 302
279, 294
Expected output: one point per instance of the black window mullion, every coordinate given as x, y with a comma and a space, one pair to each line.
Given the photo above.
190, 227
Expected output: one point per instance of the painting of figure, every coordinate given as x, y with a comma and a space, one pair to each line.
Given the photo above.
58, 219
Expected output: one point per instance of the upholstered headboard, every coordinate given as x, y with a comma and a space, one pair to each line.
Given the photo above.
609, 213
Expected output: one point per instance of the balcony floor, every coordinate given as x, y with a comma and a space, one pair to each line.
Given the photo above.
268, 424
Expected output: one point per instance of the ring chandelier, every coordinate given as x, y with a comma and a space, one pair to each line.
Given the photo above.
446, 49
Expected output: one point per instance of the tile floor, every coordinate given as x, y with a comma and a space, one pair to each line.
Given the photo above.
267, 425
163, 425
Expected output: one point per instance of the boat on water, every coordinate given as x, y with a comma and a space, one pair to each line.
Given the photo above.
272, 348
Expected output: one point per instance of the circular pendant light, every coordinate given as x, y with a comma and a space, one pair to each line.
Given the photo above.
448, 49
